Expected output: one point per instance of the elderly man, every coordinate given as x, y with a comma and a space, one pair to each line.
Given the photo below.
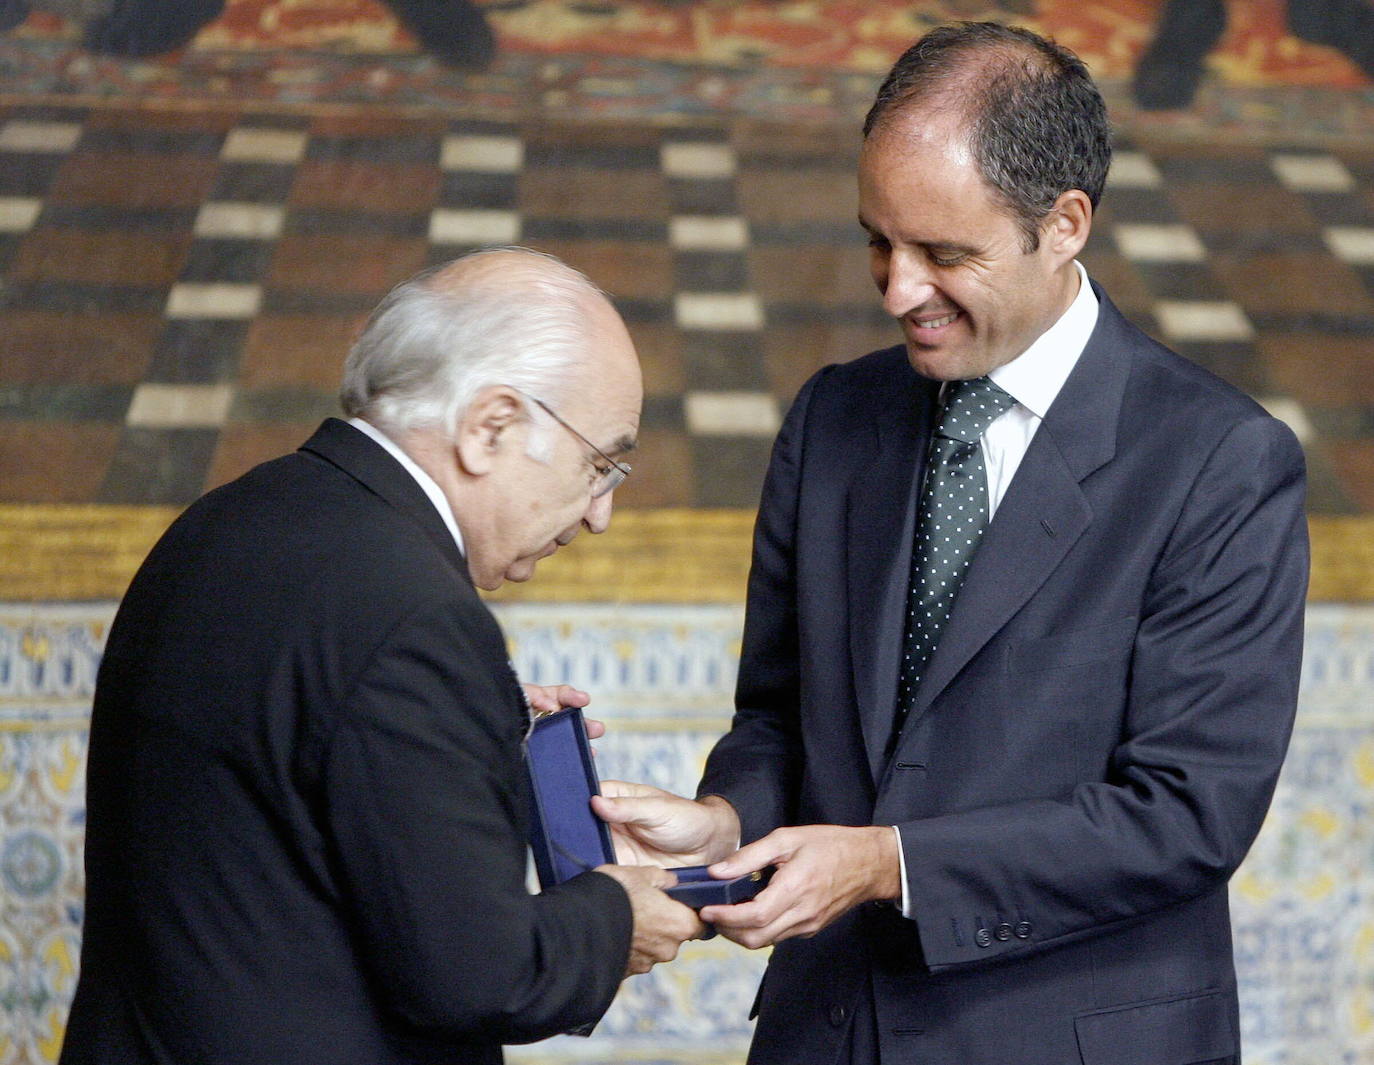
307, 823
1021, 653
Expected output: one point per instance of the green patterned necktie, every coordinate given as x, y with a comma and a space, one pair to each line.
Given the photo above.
949, 524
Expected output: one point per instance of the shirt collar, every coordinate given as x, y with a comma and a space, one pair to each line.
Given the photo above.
424, 480
1035, 377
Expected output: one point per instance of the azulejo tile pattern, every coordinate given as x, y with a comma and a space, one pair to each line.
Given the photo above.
662, 677
178, 288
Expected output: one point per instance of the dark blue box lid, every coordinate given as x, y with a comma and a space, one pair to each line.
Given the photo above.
567, 837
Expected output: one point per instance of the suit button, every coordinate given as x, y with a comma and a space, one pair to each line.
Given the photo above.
1003, 932
1023, 930
838, 1015
983, 937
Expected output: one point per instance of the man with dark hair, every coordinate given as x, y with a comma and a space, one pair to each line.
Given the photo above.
1024, 625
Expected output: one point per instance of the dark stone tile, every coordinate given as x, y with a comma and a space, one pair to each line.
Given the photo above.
374, 149
585, 195
283, 405
225, 259
65, 402
477, 190
275, 120
1260, 242
28, 174
134, 179
365, 185
662, 473
75, 298
708, 196
662, 412
706, 271
729, 469
1326, 494
644, 312
57, 347
198, 351
152, 141
591, 156
724, 362
9, 242
1214, 170
1340, 209
253, 182
1180, 281
106, 216
316, 301
1343, 422
627, 229
806, 232
306, 221
858, 314
26, 112
1232, 361
1139, 205
158, 466
801, 161
477, 127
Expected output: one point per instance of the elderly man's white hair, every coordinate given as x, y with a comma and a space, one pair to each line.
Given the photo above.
503, 316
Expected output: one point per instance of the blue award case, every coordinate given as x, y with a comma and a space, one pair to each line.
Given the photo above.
567, 837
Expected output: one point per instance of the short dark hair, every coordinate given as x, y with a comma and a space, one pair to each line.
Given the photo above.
1037, 124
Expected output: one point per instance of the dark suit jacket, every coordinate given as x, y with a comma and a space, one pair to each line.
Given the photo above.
1095, 741
306, 820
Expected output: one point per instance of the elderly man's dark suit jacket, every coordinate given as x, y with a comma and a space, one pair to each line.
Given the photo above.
1095, 741
306, 835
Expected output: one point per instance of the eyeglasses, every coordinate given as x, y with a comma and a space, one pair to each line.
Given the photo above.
608, 478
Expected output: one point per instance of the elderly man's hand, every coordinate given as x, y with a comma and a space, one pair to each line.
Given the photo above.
650, 826
545, 698
823, 871
661, 925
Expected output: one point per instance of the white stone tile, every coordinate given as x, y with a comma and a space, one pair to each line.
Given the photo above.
20, 136
243, 221
247, 145
18, 213
731, 413
718, 310
1133, 170
1312, 173
690, 159
488, 155
1351, 244
448, 226
1159, 243
158, 406
708, 233
1203, 320
219, 300
1291, 413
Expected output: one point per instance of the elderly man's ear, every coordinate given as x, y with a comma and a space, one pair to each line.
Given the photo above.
493, 421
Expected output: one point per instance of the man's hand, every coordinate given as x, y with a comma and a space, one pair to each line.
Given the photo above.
660, 924
549, 697
654, 827
823, 871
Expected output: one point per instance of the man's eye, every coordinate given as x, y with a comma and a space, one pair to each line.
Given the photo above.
950, 260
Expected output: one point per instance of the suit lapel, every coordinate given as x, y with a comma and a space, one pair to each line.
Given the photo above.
367, 462
1044, 511
881, 508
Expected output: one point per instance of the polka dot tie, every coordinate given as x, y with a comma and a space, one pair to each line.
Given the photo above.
949, 524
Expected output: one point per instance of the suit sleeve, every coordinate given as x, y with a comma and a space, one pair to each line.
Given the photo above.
421, 790
756, 765
1211, 700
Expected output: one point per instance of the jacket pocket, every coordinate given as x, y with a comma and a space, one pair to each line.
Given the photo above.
1186, 1030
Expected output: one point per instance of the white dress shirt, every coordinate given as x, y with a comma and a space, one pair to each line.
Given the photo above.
1033, 379
424, 480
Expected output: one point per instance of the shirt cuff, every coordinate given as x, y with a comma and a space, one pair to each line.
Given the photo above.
901, 861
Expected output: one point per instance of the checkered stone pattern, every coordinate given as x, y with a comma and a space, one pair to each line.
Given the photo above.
178, 288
